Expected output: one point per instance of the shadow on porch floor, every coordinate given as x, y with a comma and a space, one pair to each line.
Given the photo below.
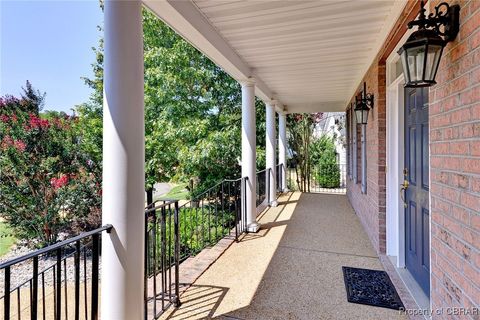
290, 269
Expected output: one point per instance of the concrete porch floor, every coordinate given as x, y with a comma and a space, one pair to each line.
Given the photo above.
291, 269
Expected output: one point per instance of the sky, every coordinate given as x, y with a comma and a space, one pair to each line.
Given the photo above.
49, 43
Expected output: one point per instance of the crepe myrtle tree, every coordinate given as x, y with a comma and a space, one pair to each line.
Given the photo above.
46, 182
300, 136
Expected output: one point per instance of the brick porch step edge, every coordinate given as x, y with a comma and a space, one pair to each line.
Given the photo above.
192, 268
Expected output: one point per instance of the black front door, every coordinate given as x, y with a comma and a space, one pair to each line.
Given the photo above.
417, 218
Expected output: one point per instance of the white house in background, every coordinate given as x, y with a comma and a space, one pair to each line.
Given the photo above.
328, 125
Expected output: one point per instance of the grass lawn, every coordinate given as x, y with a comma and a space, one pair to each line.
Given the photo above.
178, 192
6, 240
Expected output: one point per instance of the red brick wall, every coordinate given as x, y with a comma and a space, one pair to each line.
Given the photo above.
454, 115
455, 168
371, 207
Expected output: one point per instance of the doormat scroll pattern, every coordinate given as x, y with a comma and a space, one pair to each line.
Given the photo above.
371, 287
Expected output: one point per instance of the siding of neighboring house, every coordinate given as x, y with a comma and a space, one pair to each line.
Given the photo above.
454, 119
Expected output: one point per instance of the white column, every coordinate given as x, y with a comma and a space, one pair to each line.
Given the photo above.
282, 148
249, 153
123, 162
270, 150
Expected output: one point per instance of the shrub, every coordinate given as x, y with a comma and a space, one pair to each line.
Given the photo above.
324, 160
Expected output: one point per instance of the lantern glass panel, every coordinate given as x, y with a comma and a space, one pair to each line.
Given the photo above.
365, 116
434, 53
358, 114
362, 115
416, 59
406, 73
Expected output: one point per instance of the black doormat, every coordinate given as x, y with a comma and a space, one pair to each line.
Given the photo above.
372, 287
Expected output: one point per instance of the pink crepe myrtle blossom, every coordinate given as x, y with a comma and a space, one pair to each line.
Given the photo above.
19, 145
4, 118
7, 141
38, 123
60, 182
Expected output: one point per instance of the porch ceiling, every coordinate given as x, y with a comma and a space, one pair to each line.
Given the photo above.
308, 55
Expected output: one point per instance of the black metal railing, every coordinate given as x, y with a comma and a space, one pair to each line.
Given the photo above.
263, 185
279, 176
326, 177
210, 216
162, 258
65, 277
64, 282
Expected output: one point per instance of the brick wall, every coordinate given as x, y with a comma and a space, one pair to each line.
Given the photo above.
371, 207
454, 116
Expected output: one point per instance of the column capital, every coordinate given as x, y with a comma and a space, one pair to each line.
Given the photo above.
250, 82
280, 108
271, 102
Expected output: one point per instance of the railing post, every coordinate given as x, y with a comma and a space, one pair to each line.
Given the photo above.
145, 266
95, 274
58, 286
77, 279
267, 187
177, 255
34, 298
6, 298
237, 211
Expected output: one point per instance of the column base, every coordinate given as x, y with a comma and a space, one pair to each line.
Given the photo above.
253, 227
286, 190
274, 203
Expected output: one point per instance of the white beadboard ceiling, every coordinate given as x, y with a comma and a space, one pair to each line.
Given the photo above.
308, 55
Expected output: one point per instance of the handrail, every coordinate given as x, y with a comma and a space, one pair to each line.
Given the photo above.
55, 246
199, 196
37, 282
163, 205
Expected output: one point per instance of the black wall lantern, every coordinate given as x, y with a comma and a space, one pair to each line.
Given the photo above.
421, 53
363, 105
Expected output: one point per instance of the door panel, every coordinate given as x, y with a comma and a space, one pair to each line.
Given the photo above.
417, 218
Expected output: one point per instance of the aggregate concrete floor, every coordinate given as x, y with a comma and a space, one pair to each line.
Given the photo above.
290, 269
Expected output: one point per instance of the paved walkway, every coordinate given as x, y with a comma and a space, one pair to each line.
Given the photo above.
291, 269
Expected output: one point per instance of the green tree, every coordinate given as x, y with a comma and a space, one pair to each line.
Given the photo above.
192, 111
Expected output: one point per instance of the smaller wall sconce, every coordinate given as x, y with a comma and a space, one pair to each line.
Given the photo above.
363, 105
421, 54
